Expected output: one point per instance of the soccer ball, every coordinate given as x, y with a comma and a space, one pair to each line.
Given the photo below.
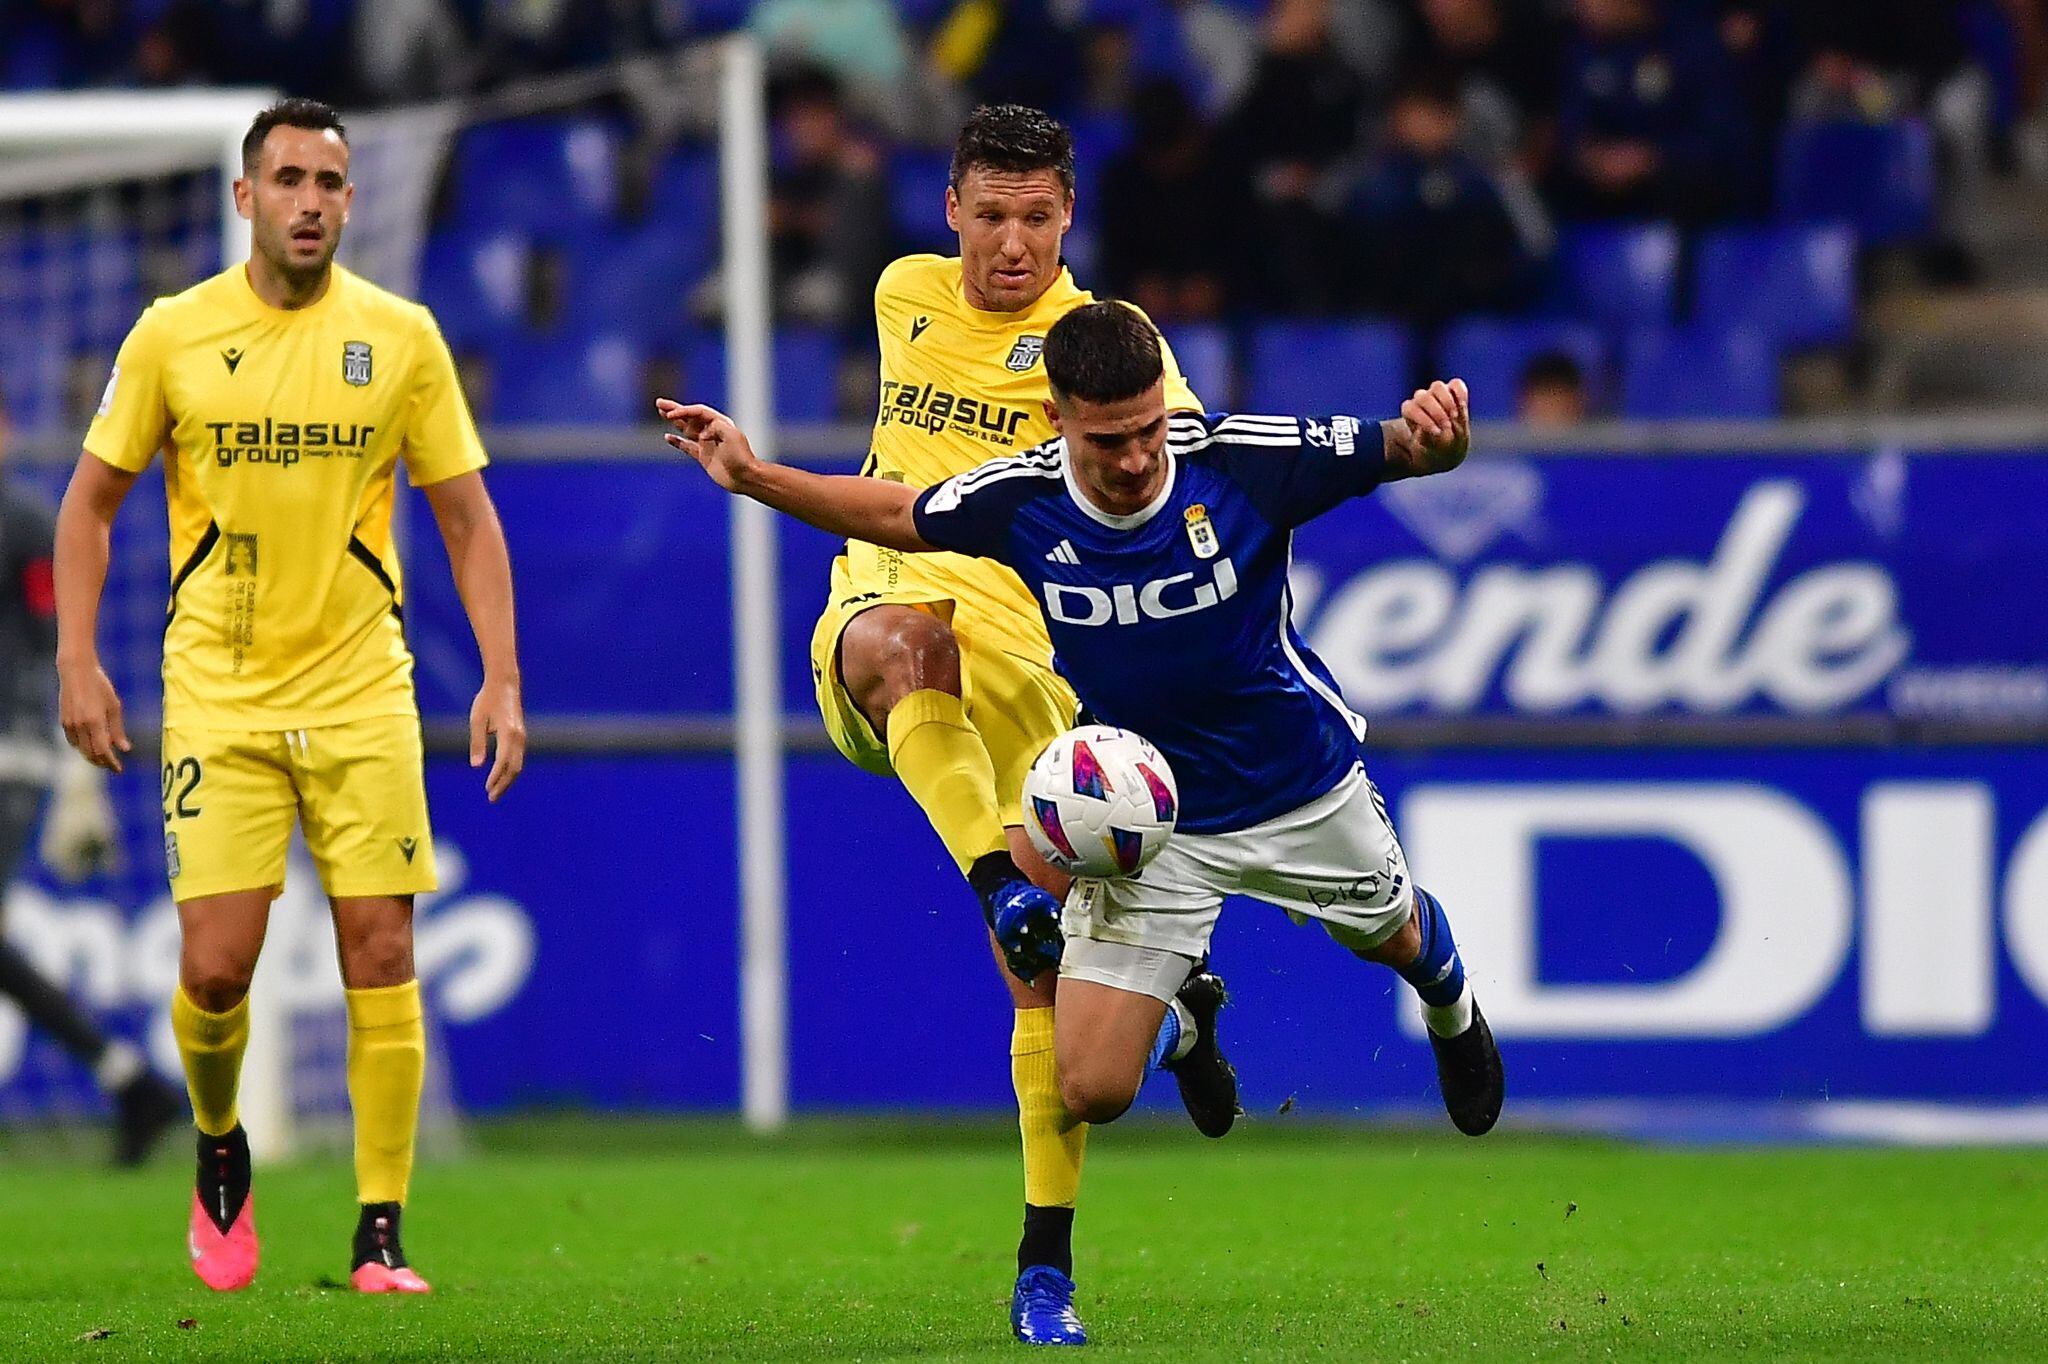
1100, 802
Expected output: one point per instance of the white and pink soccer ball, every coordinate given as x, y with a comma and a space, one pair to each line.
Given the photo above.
1100, 802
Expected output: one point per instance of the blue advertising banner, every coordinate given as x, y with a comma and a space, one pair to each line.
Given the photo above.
1717, 924
1880, 583
1723, 922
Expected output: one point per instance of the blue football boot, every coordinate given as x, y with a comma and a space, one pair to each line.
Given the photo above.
1026, 921
1042, 1309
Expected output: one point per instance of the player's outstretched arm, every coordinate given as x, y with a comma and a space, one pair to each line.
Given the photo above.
87, 705
1433, 434
483, 577
871, 509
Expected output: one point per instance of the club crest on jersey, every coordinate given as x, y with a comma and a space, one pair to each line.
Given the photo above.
1202, 532
355, 362
1024, 354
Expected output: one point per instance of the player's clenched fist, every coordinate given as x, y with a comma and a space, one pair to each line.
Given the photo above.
1435, 431
708, 436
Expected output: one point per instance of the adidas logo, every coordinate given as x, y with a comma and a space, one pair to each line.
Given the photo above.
1063, 553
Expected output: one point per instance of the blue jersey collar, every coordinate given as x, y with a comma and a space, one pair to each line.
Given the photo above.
1111, 519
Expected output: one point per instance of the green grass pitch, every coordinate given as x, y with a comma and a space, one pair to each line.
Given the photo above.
638, 1240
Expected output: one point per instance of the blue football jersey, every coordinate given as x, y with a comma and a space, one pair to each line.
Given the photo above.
1173, 622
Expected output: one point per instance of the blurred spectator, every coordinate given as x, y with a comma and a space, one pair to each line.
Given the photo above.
1505, 55
1761, 40
63, 43
1432, 222
410, 50
1210, 46
861, 42
1551, 391
301, 47
1650, 122
1165, 238
1286, 141
531, 37
828, 208
1878, 60
1013, 52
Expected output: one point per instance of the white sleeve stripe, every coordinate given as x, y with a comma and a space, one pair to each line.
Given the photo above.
986, 477
1003, 468
1245, 419
1229, 438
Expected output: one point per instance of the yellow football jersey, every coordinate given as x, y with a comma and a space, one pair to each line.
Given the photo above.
962, 386
281, 432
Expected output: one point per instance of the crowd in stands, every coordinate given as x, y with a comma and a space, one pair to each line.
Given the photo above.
1423, 161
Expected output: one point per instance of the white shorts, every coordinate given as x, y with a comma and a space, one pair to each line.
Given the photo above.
1334, 859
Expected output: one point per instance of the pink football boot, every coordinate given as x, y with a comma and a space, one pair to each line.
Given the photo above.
380, 1265
222, 1234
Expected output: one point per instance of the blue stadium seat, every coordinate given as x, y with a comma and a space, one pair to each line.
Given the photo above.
684, 194
1796, 283
541, 175
638, 280
476, 286
1327, 367
1488, 353
568, 378
1203, 349
1699, 372
1876, 177
917, 201
806, 373
1622, 274
33, 362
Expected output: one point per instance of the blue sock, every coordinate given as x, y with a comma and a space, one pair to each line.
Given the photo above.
1168, 1041
1436, 973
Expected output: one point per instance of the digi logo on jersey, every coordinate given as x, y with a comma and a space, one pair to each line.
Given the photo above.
286, 443
1127, 603
924, 407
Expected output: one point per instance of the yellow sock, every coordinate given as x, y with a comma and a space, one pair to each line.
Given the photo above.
941, 760
212, 1047
1054, 1144
387, 1055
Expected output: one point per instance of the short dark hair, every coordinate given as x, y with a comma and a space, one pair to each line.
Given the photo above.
293, 112
1102, 353
1012, 137
1551, 369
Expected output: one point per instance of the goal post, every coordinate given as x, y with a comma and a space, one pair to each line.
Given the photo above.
756, 600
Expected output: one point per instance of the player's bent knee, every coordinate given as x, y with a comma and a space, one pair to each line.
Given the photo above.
217, 985
1097, 1094
888, 652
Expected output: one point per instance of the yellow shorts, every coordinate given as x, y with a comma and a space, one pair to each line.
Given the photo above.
1015, 700
358, 790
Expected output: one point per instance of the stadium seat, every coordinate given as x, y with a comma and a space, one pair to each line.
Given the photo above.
476, 286
1623, 274
1203, 349
1327, 366
1488, 353
569, 378
806, 373
1797, 283
917, 201
1699, 372
638, 280
536, 174
1876, 177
